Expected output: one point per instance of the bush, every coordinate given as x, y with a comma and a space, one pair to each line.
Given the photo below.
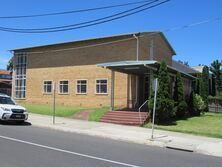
204, 86
164, 110
191, 104
164, 104
214, 97
199, 105
180, 103
181, 109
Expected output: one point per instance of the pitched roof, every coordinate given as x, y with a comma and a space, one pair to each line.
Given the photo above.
198, 68
4, 72
184, 68
106, 37
139, 66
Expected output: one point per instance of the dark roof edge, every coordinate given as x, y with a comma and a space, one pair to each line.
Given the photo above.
168, 43
106, 37
82, 40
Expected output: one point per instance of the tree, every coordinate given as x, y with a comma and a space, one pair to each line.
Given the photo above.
197, 84
217, 74
10, 65
213, 91
186, 63
164, 105
204, 86
180, 103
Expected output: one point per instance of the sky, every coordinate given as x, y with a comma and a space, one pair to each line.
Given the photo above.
200, 44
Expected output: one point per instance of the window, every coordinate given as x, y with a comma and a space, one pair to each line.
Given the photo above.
64, 87
5, 76
81, 87
20, 75
101, 86
47, 87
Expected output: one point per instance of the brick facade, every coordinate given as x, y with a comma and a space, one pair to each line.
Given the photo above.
80, 62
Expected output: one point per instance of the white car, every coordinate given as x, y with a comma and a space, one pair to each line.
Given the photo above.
10, 111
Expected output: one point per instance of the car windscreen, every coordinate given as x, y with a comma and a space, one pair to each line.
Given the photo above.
6, 100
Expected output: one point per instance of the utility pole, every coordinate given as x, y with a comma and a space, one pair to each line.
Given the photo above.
54, 95
154, 106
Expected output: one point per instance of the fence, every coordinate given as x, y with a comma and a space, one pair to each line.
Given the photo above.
215, 105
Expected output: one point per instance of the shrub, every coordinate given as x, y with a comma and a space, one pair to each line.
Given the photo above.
191, 104
181, 109
164, 109
180, 103
214, 97
199, 105
204, 86
164, 105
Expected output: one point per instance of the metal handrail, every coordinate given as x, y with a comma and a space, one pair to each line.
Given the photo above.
140, 109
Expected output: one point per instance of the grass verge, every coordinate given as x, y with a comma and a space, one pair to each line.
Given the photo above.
208, 125
61, 111
98, 113
64, 111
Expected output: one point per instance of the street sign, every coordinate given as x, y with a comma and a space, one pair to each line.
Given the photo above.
154, 104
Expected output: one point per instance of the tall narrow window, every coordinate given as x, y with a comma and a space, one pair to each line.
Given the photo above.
47, 87
64, 87
20, 75
101, 86
81, 87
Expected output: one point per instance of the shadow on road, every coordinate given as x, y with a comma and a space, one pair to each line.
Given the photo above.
13, 123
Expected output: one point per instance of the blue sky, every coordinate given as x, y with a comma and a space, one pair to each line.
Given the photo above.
197, 45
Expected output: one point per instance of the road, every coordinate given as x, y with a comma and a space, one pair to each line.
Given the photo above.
29, 146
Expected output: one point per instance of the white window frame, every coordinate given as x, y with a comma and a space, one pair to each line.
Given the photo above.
62, 93
20, 71
43, 88
107, 88
79, 93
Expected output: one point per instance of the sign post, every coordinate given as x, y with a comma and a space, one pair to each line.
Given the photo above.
54, 94
154, 105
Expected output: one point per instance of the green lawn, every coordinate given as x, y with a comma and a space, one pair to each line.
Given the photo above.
44, 109
99, 112
64, 111
209, 125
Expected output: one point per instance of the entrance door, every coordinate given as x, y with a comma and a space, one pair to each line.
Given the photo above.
146, 88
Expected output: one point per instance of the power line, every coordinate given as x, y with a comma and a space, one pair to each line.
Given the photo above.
131, 38
82, 23
74, 26
194, 24
73, 11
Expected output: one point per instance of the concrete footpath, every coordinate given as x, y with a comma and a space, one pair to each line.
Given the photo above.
180, 141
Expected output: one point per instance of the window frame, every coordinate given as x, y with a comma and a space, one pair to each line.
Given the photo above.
59, 91
20, 75
79, 93
107, 88
43, 88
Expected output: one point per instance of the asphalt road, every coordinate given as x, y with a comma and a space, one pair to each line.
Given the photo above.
28, 146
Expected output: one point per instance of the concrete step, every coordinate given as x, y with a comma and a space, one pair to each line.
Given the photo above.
121, 122
126, 112
125, 118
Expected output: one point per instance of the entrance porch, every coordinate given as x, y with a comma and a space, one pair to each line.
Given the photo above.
139, 86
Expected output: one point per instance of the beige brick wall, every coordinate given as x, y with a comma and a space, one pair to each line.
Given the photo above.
81, 64
35, 78
161, 50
